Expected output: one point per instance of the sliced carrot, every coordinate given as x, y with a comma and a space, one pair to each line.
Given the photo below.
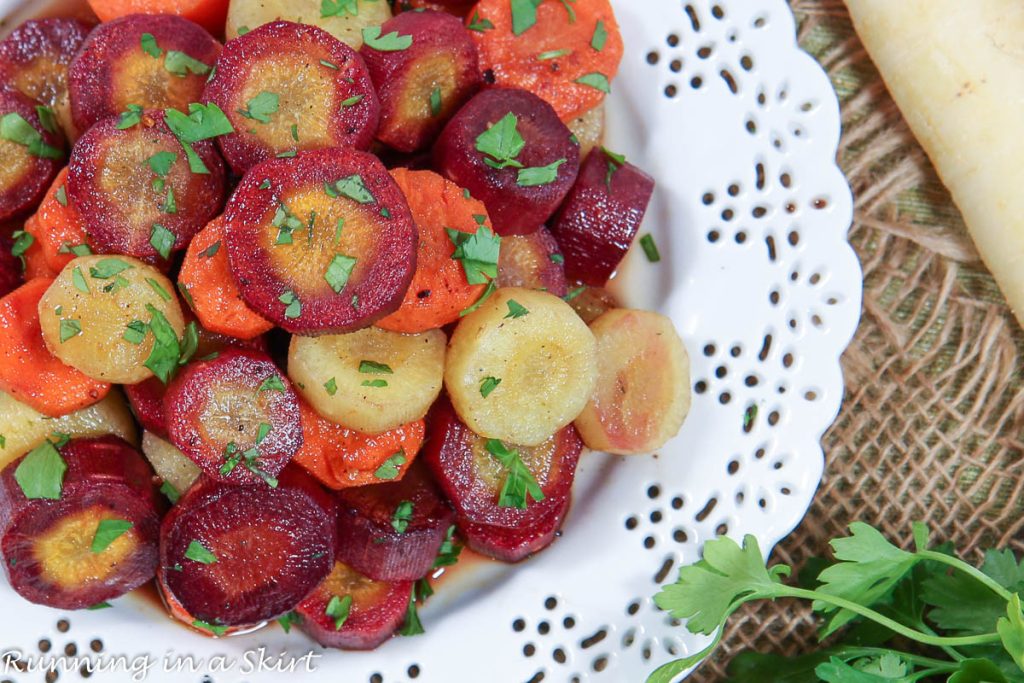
28, 371
35, 262
56, 226
457, 7
215, 297
210, 14
439, 289
567, 57
341, 458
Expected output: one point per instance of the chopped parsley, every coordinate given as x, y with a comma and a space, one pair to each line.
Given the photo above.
203, 122
391, 42
492, 286
520, 484
557, 258
339, 272
600, 36
540, 175
181, 64
336, 8
435, 101
212, 250
293, 305
14, 128
162, 240
369, 367
149, 46
40, 475
197, 552
108, 531
478, 24
69, 329
339, 609
352, 101
595, 80
391, 468
448, 554
164, 358
375, 383
62, 195
132, 116
215, 629
488, 385
331, 386
23, 241
650, 248
168, 490
135, 332
501, 143
516, 309
553, 54
412, 625
78, 279
353, 187
261, 107
273, 382
403, 515
478, 253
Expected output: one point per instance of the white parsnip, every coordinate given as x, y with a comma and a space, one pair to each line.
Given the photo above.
173, 466
956, 70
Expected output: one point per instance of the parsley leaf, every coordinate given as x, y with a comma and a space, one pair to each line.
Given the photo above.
435, 102
492, 287
352, 187
61, 195
412, 625
293, 307
108, 531
161, 162
331, 386
369, 367
595, 80
516, 309
390, 468
215, 629
502, 143
23, 241
289, 620
149, 46
135, 332
352, 101
339, 609
261, 107
273, 382
391, 42
335, 8
478, 253
69, 329
162, 240
402, 516
181, 64
520, 484
40, 474
197, 552
14, 128
478, 24
524, 15
448, 554
553, 54
540, 175
650, 248
339, 271
488, 385
203, 122
163, 358
600, 36
132, 116
375, 383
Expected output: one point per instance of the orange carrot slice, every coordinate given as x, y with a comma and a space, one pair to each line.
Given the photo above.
28, 371
206, 275
57, 227
439, 289
210, 14
566, 53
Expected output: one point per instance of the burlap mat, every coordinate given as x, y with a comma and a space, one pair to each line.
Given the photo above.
932, 421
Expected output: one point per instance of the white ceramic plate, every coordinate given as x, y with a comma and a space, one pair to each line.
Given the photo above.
740, 129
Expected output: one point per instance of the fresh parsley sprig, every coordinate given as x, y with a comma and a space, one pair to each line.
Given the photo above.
927, 596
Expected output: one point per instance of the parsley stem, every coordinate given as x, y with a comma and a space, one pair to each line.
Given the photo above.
977, 574
891, 624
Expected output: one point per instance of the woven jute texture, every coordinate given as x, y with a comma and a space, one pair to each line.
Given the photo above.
934, 409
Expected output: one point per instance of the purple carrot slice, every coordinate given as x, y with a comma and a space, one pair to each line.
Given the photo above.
34, 60
521, 177
288, 87
153, 61
602, 214
233, 556
424, 84
472, 478
236, 416
351, 611
135, 191
32, 149
393, 531
515, 544
94, 538
322, 243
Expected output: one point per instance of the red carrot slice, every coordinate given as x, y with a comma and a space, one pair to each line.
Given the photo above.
601, 216
477, 481
288, 87
392, 531
32, 149
510, 150
233, 556
440, 289
215, 298
515, 544
458, 8
341, 458
148, 61
236, 416
567, 53
321, 243
10, 266
135, 191
28, 371
34, 60
353, 612
79, 526
422, 84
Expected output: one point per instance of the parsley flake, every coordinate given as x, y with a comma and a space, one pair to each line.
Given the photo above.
336, 8
273, 382
600, 36
135, 332
163, 358
149, 46
488, 385
339, 272
197, 552
293, 305
352, 187
391, 42
162, 240
492, 286
369, 367
403, 515
520, 484
215, 629
352, 101
501, 143
435, 102
40, 474
553, 54
390, 468
69, 329
168, 490
478, 24
650, 248
412, 625
261, 107
14, 128
540, 175
375, 383
181, 64
339, 609
78, 279
62, 195
331, 386
595, 80
516, 309
478, 252
132, 116
108, 531
203, 122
